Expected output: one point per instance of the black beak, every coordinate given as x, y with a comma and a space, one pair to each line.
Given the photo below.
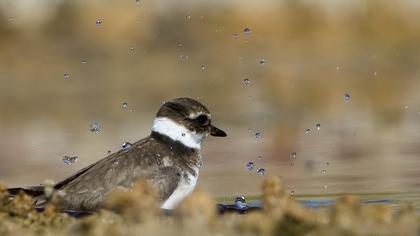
214, 131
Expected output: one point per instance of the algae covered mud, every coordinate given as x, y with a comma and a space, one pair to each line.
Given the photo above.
137, 213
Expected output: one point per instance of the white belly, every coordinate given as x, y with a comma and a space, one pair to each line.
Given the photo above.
185, 188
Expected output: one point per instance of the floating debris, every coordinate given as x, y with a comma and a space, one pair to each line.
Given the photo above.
318, 126
98, 22
246, 81
125, 105
95, 128
293, 155
324, 171
203, 67
307, 131
261, 171
66, 76
235, 36
292, 193
263, 62
258, 135
250, 166
68, 160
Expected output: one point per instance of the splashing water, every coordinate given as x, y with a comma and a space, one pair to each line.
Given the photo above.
247, 31
95, 128
240, 201
346, 97
250, 166
261, 171
126, 146
68, 160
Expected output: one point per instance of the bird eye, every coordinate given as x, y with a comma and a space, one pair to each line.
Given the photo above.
202, 119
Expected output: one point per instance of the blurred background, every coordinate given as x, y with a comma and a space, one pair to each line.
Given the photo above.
324, 94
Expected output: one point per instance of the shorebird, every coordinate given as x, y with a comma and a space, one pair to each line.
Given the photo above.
169, 158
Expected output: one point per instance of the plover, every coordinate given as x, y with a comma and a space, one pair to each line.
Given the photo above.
169, 158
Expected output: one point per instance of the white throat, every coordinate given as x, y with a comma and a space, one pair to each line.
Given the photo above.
177, 132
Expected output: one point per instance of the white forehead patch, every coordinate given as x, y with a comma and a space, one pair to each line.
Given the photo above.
195, 115
177, 132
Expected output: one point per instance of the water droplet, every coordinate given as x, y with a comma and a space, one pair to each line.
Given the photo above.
324, 171
246, 81
11, 19
250, 166
203, 67
68, 160
375, 73
337, 68
292, 193
125, 105
258, 136
263, 62
126, 146
293, 155
235, 36
307, 131
66, 76
189, 17
346, 97
180, 45
261, 171
240, 201
83, 61
318, 126
247, 31
132, 49
325, 186
98, 22
95, 128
